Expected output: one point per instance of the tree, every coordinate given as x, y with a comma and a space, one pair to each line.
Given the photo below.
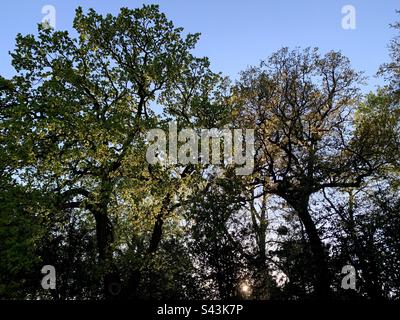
301, 105
79, 110
77, 191
391, 70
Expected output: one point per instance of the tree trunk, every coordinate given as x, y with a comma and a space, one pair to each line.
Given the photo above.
103, 235
110, 276
157, 229
156, 235
322, 285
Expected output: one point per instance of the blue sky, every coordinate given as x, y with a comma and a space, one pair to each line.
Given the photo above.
236, 34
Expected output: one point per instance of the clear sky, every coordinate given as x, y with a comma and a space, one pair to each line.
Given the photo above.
236, 34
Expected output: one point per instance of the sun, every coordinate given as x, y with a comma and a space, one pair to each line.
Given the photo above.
245, 289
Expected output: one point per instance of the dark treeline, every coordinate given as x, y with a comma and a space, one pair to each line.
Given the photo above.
77, 192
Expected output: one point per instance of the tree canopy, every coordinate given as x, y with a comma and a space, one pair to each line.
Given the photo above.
78, 193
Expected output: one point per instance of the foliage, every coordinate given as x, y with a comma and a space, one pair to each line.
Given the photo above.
77, 192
